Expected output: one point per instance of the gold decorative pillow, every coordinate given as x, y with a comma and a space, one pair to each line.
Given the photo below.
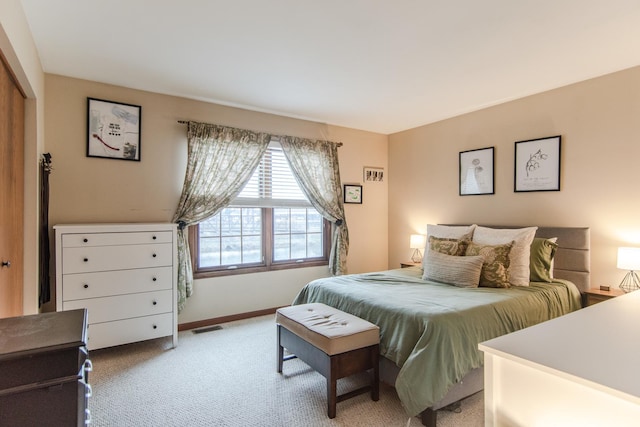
495, 268
457, 247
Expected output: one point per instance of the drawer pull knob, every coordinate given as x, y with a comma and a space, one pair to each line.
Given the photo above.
86, 259
154, 237
154, 255
155, 302
86, 286
85, 240
154, 279
155, 327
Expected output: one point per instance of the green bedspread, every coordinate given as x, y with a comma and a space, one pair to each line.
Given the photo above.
432, 330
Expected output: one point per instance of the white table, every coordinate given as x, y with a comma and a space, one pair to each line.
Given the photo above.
582, 369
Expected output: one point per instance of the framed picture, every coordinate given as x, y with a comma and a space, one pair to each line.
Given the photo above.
537, 165
113, 130
476, 172
353, 193
373, 174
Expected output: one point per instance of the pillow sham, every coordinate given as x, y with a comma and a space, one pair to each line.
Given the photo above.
460, 271
541, 259
520, 252
495, 266
450, 231
456, 247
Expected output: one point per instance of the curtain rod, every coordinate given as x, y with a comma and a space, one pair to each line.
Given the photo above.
185, 122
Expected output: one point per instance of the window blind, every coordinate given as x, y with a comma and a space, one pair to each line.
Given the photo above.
272, 183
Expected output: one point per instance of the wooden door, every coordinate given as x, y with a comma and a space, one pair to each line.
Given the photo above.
11, 194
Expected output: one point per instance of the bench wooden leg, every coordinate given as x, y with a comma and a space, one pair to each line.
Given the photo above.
375, 386
332, 391
280, 350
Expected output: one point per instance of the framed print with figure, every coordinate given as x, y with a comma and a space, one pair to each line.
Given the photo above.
113, 130
353, 193
537, 165
476, 172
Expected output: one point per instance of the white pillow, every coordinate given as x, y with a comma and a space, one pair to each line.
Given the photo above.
449, 231
460, 271
520, 251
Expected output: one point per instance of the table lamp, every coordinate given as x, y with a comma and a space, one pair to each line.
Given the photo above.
629, 259
417, 242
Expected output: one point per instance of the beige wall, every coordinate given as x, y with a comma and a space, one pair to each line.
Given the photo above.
19, 50
104, 190
599, 121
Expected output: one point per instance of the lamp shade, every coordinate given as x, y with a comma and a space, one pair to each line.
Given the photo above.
629, 259
417, 241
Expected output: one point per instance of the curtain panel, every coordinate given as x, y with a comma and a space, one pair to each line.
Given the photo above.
220, 162
315, 166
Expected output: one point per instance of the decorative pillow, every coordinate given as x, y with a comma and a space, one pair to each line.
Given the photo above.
461, 271
460, 232
541, 259
495, 266
519, 257
448, 246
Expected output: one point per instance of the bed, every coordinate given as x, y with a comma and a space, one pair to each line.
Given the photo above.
430, 330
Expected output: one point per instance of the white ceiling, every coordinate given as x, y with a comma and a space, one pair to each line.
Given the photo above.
377, 65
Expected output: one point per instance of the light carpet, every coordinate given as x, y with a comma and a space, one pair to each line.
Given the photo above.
228, 378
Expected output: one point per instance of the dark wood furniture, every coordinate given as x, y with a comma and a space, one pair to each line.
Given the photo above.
410, 264
43, 370
315, 347
595, 295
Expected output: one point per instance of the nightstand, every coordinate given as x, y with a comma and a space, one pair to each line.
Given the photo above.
410, 264
595, 295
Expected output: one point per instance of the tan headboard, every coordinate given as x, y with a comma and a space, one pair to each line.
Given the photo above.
572, 260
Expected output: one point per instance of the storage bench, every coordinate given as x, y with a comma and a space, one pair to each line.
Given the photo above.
334, 343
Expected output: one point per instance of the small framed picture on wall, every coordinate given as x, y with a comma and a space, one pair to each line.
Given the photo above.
373, 174
352, 193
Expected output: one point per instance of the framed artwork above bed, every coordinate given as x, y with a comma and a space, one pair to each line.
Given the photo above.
477, 172
537, 165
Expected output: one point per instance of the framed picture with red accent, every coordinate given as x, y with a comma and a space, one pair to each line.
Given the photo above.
113, 130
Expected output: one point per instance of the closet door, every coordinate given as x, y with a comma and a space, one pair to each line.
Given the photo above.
11, 194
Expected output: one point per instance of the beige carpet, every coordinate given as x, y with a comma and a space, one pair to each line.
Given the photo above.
228, 378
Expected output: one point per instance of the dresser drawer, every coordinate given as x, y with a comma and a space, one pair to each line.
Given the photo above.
130, 330
112, 239
123, 306
105, 258
118, 282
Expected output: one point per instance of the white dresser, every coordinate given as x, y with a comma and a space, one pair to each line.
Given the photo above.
125, 275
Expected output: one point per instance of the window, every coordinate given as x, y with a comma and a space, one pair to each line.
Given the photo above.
270, 225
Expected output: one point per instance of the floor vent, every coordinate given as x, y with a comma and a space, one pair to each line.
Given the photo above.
207, 329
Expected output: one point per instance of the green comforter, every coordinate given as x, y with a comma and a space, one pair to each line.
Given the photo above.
432, 330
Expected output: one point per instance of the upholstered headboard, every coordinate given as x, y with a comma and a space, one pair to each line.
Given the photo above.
572, 260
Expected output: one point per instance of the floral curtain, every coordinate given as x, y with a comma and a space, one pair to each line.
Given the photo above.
220, 162
315, 165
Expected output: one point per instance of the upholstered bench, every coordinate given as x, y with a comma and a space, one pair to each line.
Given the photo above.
334, 343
